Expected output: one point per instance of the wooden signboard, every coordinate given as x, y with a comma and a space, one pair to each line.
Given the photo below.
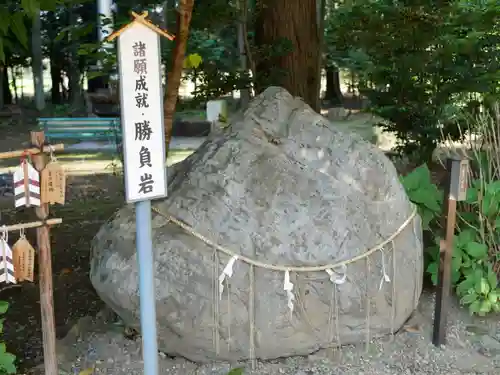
456, 190
142, 112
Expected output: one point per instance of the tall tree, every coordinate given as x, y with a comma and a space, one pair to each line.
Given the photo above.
174, 77
333, 91
37, 64
293, 23
74, 74
89, 15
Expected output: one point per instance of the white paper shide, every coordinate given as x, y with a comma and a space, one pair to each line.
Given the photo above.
142, 114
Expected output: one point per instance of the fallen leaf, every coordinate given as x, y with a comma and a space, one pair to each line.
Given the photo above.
65, 271
412, 328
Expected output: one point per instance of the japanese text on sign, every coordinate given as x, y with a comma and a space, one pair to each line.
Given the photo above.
143, 129
142, 114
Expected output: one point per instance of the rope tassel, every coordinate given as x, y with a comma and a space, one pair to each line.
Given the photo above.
334, 278
385, 276
288, 288
337, 272
226, 272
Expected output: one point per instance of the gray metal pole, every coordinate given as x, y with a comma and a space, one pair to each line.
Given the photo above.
147, 295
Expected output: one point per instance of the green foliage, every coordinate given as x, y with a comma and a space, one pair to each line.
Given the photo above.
13, 16
472, 273
424, 194
419, 63
7, 359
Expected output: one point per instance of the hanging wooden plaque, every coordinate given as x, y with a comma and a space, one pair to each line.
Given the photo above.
53, 184
24, 260
17, 261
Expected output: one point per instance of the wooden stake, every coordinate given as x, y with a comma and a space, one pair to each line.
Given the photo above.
455, 190
45, 269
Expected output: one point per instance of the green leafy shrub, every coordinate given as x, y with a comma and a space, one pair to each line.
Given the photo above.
420, 64
7, 359
424, 194
478, 231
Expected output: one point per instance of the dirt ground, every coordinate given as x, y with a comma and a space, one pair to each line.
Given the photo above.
88, 206
472, 348
91, 200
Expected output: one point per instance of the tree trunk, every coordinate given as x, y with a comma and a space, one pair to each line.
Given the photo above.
37, 65
333, 92
7, 94
320, 16
167, 8
55, 75
174, 77
298, 71
75, 89
55, 59
89, 14
242, 29
14, 83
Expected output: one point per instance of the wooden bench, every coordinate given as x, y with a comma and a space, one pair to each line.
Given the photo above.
92, 129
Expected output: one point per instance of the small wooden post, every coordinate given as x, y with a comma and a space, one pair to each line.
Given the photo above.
455, 190
45, 268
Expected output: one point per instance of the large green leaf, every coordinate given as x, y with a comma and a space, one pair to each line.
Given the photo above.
465, 237
493, 296
482, 287
4, 306
485, 307
7, 363
19, 29
466, 286
51, 4
468, 299
492, 279
471, 196
4, 24
474, 307
493, 187
30, 7
476, 250
419, 177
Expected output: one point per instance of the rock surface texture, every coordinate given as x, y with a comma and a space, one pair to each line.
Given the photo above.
282, 186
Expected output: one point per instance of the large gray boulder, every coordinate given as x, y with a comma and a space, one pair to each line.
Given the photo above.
282, 186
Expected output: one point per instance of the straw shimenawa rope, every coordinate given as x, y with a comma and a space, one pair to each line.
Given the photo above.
282, 268
334, 303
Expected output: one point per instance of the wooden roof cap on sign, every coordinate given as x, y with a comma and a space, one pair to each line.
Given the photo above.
141, 18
